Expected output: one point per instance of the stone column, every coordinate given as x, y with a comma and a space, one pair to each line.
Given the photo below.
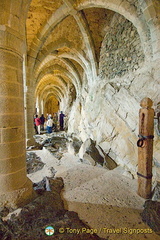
30, 112
15, 187
38, 106
145, 148
42, 106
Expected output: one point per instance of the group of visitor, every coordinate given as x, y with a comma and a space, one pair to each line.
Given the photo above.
51, 122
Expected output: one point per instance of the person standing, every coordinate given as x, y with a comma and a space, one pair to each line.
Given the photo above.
38, 124
35, 127
55, 121
49, 125
42, 118
61, 121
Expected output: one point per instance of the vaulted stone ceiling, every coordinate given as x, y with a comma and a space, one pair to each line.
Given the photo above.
39, 13
63, 44
64, 39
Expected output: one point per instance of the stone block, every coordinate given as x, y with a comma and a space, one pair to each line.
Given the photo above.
15, 8
10, 105
128, 174
37, 41
131, 122
12, 164
88, 159
2, 34
12, 150
21, 92
156, 192
151, 216
15, 22
11, 120
83, 148
16, 198
4, 17
112, 154
110, 91
149, 12
105, 145
2, 4
70, 148
106, 127
125, 99
156, 50
12, 134
127, 9
32, 55
11, 40
42, 33
9, 89
9, 59
122, 113
8, 74
124, 149
13, 180
89, 148
43, 52
109, 163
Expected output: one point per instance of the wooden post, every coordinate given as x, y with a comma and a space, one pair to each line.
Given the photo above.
158, 118
145, 148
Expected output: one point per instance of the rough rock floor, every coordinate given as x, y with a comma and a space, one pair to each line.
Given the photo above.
104, 199
45, 210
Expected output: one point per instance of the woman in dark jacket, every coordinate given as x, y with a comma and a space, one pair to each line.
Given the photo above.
42, 118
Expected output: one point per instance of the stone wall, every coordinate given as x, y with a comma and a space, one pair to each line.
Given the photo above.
109, 112
121, 50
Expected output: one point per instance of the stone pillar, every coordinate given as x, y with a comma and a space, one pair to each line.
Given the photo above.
42, 106
15, 187
39, 106
30, 112
145, 148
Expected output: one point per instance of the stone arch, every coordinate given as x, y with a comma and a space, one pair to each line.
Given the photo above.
50, 83
68, 65
58, 93
129, 12
60, 69
50, 49
79, 58
50, 100
73, 54
51, 87
73, 69
49, 96
60, 81
151, 13
43, 33
39, 41
66, 58
53, 93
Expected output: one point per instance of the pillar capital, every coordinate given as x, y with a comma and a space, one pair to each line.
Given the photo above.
11, 40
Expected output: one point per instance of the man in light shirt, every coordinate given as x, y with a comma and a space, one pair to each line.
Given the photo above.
49, 125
